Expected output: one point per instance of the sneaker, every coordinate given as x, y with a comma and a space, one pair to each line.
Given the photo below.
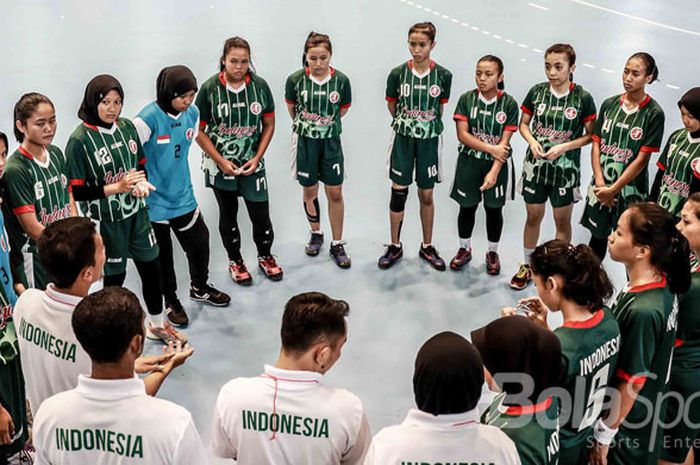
26, 456
239, 273
493, 263
314, 245
463, 257
166, 334
522, 278
430, 255
391, 256
176, 313
341, 258
210, 295
270, 267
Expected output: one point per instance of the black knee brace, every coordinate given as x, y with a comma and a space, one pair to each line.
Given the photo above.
397, 204
313, 218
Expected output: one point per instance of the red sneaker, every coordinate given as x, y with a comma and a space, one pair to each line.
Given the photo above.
522, 278
493, 263
239, 273
270, 267
463, 257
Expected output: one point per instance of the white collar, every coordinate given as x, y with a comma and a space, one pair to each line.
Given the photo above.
45, 164
293, 380
421, 75
110, 387
322, 81
60, 297
691, 139
416, 417
109, 131
490, 101
568, 91
175, 117
235, 90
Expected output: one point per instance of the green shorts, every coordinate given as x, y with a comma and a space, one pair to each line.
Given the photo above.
315, 160
132, 237
252, 187
558, 197
469, 176
601, 220
407, 153
34, 271
684, 419
632, 447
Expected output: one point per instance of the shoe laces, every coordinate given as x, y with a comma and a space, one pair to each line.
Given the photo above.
523, 272
239, 266
268, 261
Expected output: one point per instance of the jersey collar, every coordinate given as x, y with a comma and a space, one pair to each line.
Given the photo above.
641, 105
322, 81
416, 417
222, 80
516, 410
110, 388
588, 323
27, 154
109, 131
648, 286
489, 102
65, 299
415, 73
292, 380
571, 88
691, 139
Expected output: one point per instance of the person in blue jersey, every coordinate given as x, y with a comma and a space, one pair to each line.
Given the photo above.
166, 128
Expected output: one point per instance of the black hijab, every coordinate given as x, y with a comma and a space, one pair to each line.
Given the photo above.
448, 375
517, 345
173, 82
97, 88
691, 102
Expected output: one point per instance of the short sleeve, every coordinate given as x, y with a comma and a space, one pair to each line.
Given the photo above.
142, 129
638, 344
346, 96
190, 449
356, 454
654, 132
511, 115
528, 106
221, 444
446, 87
204, 106
598, 131
20, 188
662, 163
76, 157
392, 86
290, 91
587, 107
462, 110
269, 100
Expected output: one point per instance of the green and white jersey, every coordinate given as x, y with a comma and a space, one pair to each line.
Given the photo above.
590, 349
647, 316
487, 119
97, 157
680, 162
232, 118
318, 103
38, 187
419, 99
686, 356
556, 119
622, 134
534, 429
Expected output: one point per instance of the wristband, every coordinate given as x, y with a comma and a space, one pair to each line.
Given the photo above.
602, 433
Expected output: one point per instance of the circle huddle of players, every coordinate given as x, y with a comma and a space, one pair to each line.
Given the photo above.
615, 383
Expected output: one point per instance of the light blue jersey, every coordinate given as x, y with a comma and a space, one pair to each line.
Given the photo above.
8, 298
166, 139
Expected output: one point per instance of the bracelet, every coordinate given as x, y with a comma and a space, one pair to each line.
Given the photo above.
603, 434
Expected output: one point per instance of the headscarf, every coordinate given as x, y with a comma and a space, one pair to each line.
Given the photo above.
691, 102
172, 82
96, 90
448, 375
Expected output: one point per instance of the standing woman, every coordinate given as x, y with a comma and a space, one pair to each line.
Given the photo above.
656, 258
36, 177
317, 97
237, 120
555, 115
679, 164
105, 160
486, 119
630, 128
416, 92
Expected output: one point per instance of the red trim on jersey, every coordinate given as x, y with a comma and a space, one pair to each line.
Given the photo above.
77, 182
90, 126
529, 409
222, 78
23, 209
410, 64
646, 287
646, 100
344, 106
459, 117
391, 99
463, 423
444, 100
142, 161
696, 174
70, 189
50, 295
589, 323
589, 118
202, 124
510, 128
270, 114
624, 376
647, 149
290, 102
596, 138
571, 86
275, 378
660, 166
25, 152
308, 71
678, 342
500, 93
526, 110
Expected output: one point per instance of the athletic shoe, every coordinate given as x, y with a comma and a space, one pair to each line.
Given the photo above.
210, 295
493, 263
26, 456
341, 258
430, 255
239, 273
391, 256
522, 278
463, 257
166, 334
314, 245
270, 267
176, 313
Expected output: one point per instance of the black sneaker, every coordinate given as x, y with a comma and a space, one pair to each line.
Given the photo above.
430, 255
176, 313
314, 245
391, 256
210, 295
341, 258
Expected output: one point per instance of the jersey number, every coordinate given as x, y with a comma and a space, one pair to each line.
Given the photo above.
261, 184
432, 171
103, 156
607, 125
177, 150
594, 404
305, 95
222, 110
5, 277
405, 90
336, 168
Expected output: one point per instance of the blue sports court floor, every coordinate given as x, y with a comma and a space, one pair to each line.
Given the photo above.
56, 47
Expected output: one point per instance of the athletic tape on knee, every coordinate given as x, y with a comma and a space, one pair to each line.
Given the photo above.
313, 218
397, 204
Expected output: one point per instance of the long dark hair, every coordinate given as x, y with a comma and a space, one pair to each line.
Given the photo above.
649, 65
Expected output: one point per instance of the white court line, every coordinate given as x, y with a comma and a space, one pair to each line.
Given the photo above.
454, 20
486, 33
540, 7
588, 65
671, 86
636, 18
537, 50
464, 24
496, 36
510, 41
474, 28
606, 70
523, 46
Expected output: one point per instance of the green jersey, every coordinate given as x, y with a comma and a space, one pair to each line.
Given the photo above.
622, 134
686, 356
556, 119
534, 429
680, 162
41, 188
419, 99
232, 119
487, 119
317, 104
97, 157
590, 350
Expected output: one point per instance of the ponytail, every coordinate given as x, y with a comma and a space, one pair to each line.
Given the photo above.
649, 65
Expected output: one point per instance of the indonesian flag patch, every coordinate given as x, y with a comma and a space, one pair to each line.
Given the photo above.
163, 139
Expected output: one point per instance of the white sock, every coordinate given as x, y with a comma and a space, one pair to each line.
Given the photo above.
156, 320
526, 253
398, 246
425, 246
493, 246
465, 243
317, 232
336, 242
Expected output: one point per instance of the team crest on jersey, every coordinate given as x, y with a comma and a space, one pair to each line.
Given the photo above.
132, 146
255, 108
541, 108
501, 117
64, 180
434, 90
695, 164
570, 113
636, 133
334, 97
189, 134
3, 243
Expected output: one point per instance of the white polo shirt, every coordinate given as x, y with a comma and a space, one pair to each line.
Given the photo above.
51, 356
114, 422
288, 417
423, 438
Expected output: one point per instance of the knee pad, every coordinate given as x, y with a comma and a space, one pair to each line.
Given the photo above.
313, 218
398, 200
